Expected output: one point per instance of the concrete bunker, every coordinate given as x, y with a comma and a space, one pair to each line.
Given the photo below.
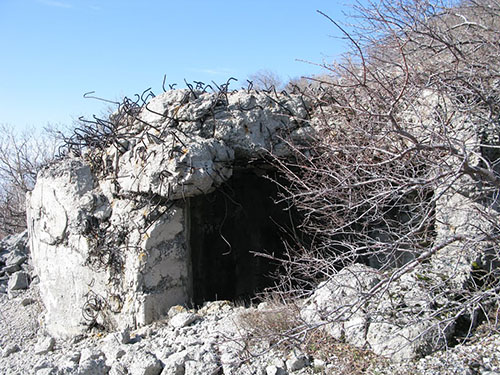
181, 200
227, 228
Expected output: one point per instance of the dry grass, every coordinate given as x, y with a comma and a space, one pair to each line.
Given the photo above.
280, 327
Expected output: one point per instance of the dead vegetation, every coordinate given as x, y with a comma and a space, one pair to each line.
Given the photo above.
404, 172
21, 157
282, 329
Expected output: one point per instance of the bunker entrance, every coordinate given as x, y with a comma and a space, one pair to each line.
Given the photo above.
227, 226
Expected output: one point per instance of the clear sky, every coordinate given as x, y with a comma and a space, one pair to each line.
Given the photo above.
53, 51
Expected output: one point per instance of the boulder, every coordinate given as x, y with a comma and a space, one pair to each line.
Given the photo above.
275, 370
296, 362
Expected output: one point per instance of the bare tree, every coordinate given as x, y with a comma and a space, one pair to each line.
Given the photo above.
21, 157
266, 80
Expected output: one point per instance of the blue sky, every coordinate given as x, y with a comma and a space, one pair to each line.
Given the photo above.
53, 51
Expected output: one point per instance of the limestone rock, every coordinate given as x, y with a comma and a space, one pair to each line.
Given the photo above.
10, 349
183, 319
74, 356
145, 363
47, 371
118, 369
18, 280
45, 345
385, 323
333, 299
27, 301
174, 310
11, 269
16, 242
296, 362
175, 363
275, 370
215, 307
93, 367
92, 362
120, 337
402, 342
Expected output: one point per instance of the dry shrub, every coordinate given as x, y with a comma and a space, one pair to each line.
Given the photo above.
342, 358
279, 327
407, 122
276, 324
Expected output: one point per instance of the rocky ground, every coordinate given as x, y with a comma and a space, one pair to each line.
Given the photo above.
200, 342
210, 340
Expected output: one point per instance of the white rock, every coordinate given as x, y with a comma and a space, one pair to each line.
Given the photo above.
183, 319
174, 310
215, 307
93, 367
275, 370
45, 345
46, 371
401, 343
145, 364
332, 298
174, 364
296, 362
10, 349
201, 367
120, 337
318, 363
118, 369
74, 356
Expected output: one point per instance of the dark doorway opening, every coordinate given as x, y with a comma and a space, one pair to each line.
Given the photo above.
227, 226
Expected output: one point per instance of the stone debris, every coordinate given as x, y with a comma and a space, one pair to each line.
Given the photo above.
15, 271
175, 363
120, 337
15, 258
93, 367
208, 347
